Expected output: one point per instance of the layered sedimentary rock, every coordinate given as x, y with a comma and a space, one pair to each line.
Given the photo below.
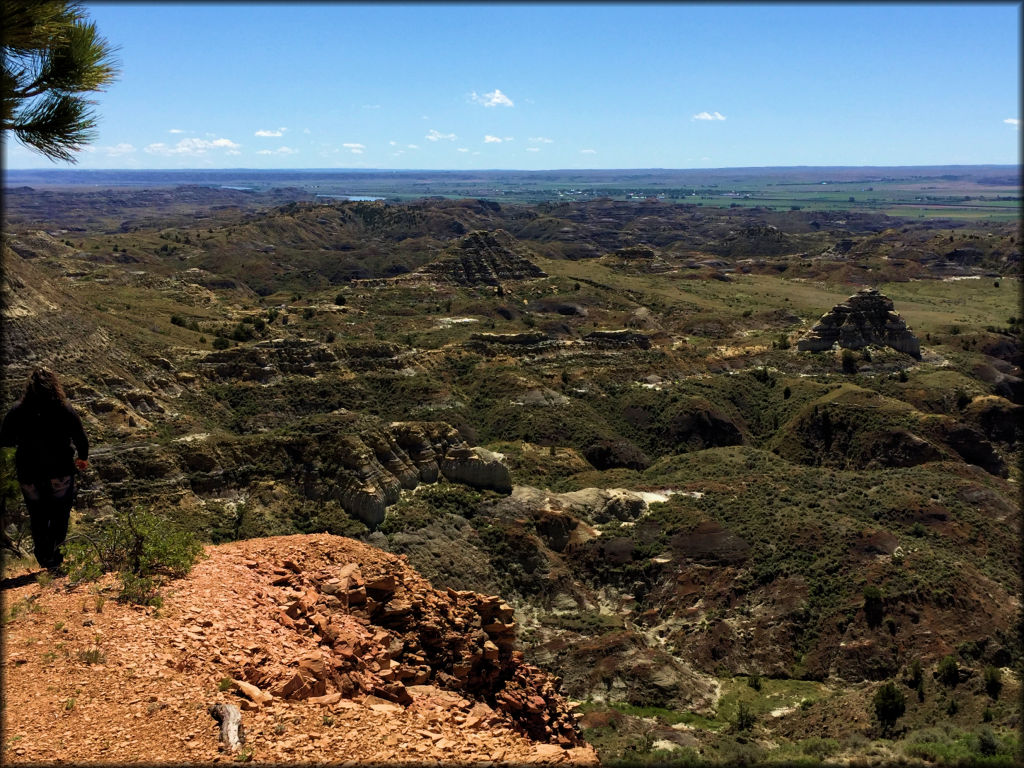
483, 258
477, 467
362, 465
865, 318
618, 339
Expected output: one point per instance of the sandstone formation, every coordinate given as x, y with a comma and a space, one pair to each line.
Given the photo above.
477, 468
863, 319
483, 258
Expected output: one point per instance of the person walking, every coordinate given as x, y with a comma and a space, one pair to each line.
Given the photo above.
47, 432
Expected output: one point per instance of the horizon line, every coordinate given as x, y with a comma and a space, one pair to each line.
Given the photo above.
504, 170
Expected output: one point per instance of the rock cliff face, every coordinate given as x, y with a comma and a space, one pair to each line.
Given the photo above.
362, 465
483, 258
865, 318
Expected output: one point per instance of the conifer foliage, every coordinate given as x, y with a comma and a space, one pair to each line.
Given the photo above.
53, 57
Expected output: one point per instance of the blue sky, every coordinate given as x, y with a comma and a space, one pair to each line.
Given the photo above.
544, 86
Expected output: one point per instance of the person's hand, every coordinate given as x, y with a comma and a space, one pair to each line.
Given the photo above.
81, 464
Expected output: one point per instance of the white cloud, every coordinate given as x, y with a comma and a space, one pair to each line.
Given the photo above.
436, 135
491, 139
175, 130
356, 151
462, 149
493, 99
393, 143
118, 150
305, 130
708, 116
271, 134
533, 149
354, 146
412, 146
278, 151
541, 140
1012, 121
193, 147
588, 151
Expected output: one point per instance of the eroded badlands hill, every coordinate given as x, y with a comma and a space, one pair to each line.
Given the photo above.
335, 651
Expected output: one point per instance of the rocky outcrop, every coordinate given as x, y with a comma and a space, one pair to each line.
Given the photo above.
620, 666
477, 468
618, 339
973, 448
483, 258
359, 463
326, 647
608, 453
526, 338
381, 627
864, 319
266, 361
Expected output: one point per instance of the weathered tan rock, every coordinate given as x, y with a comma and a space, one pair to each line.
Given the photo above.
478, 468
863, 319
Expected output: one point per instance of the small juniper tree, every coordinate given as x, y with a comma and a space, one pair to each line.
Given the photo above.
948, 671
890, 704
993, 681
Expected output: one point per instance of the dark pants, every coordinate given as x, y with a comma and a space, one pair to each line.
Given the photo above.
49, 508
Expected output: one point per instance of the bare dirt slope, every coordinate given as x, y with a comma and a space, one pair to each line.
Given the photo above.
339, 652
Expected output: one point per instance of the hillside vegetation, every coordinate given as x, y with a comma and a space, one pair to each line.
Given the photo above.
723, 546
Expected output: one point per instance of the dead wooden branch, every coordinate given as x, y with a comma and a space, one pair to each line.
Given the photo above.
232, 734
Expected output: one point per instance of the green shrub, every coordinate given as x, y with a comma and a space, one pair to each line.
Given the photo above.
141, 547
988, 744
745, 717
849, 361
242, 332
340, 299
819, 748
948, 672
221, 343
889, 704
993, 681
754, 681
873, 605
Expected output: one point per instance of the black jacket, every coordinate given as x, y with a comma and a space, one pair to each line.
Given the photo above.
44, 439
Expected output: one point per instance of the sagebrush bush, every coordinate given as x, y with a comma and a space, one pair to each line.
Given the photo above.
141, 547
